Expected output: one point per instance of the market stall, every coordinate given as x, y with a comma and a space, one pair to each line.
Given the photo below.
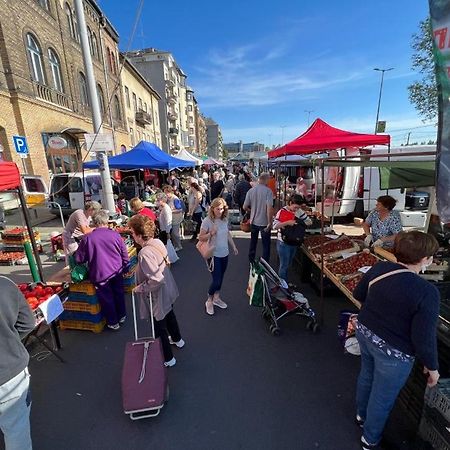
144, 155
82, 310
21, 242
186, 156
10, 182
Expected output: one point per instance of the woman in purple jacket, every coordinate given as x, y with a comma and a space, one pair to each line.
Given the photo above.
106, 255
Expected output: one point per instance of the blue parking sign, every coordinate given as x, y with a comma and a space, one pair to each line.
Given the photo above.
20, 144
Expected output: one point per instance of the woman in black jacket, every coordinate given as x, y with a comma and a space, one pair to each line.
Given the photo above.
396, 324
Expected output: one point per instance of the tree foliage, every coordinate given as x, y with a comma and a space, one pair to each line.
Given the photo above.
423, 94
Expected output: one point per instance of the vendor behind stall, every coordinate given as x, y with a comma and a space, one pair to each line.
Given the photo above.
106, 255
78, 225
138, 207
382, 224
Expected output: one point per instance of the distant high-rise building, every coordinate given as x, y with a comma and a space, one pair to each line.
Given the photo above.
214, 139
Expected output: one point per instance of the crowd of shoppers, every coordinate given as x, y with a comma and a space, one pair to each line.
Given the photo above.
396, 324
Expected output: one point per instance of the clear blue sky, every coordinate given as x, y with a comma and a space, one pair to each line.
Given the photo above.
256, 66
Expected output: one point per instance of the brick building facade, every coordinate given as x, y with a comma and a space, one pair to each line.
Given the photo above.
43, 89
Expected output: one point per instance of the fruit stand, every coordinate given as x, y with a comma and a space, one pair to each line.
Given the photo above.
82, 310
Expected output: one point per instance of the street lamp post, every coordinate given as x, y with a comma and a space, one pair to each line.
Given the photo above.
309, 111
381, 90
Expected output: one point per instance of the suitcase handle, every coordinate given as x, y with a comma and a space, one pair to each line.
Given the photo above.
133, 300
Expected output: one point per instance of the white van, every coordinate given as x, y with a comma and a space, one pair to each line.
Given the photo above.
71, 190
35, 191
372, 188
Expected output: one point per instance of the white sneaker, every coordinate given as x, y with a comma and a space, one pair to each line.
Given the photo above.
220, 303
209, 307
179, 344
170, 363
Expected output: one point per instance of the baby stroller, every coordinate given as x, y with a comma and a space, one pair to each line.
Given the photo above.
279, 301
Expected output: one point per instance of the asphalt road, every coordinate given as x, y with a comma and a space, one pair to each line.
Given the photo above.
234, 386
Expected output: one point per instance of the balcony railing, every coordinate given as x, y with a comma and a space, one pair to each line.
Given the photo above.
173, 131
143, 117
49, 95
172, 115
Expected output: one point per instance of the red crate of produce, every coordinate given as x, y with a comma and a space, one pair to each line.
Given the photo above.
353, 263
351, 283
313, 241
337, 245
9, 258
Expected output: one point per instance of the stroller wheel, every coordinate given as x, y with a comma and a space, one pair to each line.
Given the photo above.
275, 330
315, 328
309, 324
265, 314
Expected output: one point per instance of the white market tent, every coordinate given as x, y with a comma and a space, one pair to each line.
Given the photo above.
185, 155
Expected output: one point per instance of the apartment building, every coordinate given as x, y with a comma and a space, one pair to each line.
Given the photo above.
43, 89
191, 104
200, 130
214, 139
160, 69
141, 106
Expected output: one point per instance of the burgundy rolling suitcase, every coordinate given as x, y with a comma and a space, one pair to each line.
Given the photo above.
144, 376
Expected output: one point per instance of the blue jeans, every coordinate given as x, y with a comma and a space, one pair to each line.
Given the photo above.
265, 237
220, 266
379, 382
15, 406
286, 254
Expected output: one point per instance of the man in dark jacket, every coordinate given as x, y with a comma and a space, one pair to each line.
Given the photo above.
217, 186
240, 191
16, 321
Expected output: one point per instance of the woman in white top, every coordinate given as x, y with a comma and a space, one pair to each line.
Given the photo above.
176, 205
215, 228
164, 217
195, 198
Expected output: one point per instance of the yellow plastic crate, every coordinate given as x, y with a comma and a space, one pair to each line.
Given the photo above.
82, 307
131, 252
85, 287
82, 325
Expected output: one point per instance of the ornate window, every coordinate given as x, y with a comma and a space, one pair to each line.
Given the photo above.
94, 42
101, 100
35, 55
117, 114
84, 96
55, 67
69, 17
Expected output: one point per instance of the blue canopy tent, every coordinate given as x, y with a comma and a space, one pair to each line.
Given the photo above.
144, 155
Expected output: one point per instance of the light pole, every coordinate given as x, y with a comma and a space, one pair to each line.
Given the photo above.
309, 111
381, 90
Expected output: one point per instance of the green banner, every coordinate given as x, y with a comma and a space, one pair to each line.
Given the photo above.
440, 22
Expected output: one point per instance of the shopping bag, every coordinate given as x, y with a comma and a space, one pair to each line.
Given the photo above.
78, 272
245, 223
255, 287
347, 331
206, 248
171, 253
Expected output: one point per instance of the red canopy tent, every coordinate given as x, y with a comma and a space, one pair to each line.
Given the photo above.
9, 176
321, 136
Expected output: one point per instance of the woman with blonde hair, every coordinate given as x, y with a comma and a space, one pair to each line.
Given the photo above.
215, 229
